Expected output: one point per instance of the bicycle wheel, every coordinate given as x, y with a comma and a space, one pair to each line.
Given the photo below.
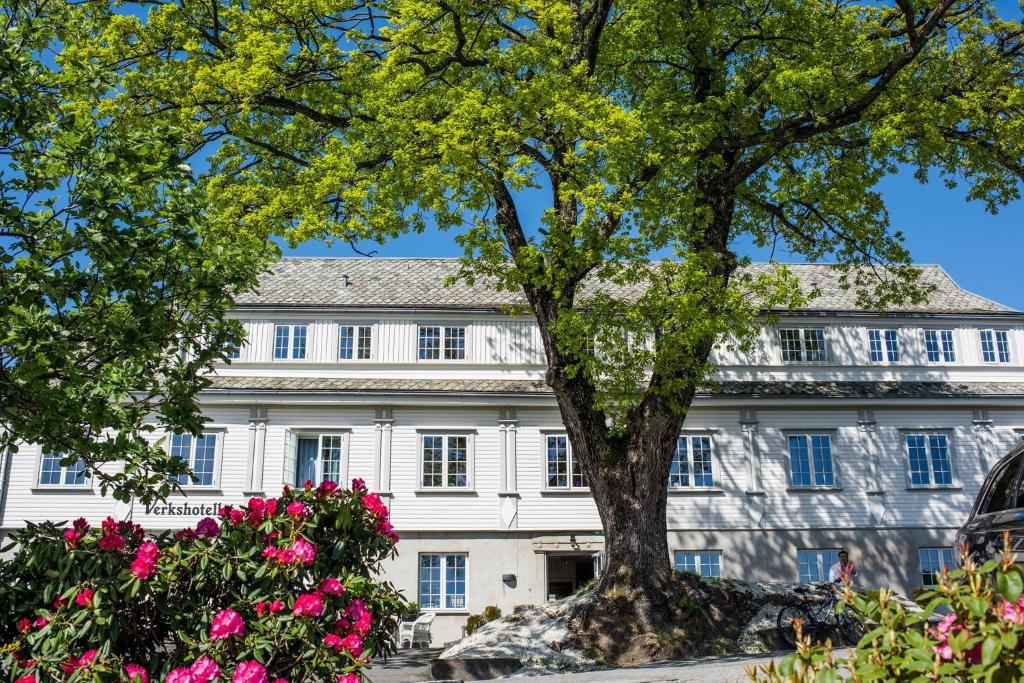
786, 623
850, 630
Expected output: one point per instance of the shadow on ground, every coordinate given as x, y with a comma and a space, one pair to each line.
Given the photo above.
407, 666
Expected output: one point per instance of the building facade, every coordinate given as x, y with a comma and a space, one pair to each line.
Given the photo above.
844, 428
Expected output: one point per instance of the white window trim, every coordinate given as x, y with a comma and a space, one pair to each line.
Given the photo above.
691, 488
319, 434
836, 469
900, 346
470, 486
957, 346
920, 566
291, 341
444, 584
355, 325
443, 336
721, 569
218, 456
544, 487
803, 348
995, 346
86, 486
816, 551
954, 469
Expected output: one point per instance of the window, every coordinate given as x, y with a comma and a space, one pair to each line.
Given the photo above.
53, 473
803, 346
691, 463
200, 452
810, 460
563, 472
442, 581
883, 345
233, 352
933, 561
995, 346
435, 339
813, 565
929, 460
701, 562
290, 341
445, 462
354, 342
939, 346
319, 458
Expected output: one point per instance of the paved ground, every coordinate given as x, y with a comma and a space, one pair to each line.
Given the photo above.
411, 666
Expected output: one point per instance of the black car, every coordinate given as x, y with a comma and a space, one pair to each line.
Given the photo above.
998, 509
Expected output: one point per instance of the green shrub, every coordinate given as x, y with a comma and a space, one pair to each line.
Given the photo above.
475, 621
979, 639
281, 588
491, 613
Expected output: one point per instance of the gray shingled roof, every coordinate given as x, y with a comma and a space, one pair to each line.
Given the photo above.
910, 390
419, 283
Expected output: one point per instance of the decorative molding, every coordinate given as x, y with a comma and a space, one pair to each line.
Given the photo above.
383, 421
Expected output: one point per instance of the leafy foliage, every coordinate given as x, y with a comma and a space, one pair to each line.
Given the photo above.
112, 295
475, 621
980, 638
288, 583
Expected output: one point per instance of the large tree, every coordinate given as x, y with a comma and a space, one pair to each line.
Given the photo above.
112, 300
658, 136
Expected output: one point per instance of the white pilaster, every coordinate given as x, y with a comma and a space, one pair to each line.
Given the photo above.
756, 500
508, 487
867, 433
382, 423
257, 449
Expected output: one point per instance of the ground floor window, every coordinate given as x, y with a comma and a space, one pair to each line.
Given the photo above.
813, 565
442, 583
700, 562
933, 561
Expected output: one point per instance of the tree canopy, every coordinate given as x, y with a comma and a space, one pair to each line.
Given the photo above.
112, 295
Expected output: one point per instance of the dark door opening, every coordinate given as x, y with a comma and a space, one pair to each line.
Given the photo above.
568, 573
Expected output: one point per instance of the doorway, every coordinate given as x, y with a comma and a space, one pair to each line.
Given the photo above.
566, 574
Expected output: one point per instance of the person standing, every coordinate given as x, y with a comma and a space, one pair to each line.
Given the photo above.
843, 571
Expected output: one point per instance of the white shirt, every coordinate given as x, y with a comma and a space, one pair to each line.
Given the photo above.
836, 572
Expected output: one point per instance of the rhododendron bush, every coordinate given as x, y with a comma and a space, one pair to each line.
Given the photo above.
979, 637
280, 588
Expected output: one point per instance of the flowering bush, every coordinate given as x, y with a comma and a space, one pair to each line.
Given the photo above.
278, 590
979, 638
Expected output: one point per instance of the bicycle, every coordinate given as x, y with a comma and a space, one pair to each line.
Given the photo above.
818, 621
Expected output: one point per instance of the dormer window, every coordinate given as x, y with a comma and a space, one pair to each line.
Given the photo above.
355, 342
939, 346
442, 341
883, 346
803, 345
995, 346
290, 342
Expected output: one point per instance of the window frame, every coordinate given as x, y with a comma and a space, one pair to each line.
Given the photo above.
699, 555
443, 582
692, 486
290, 349
818, 553
939, 331
941, 552
319, 434
809, 434
570, 461
927, 432
804, 350
446, 434
885, 352
357, 328
218, 457
86, 484
997, 352
442, 342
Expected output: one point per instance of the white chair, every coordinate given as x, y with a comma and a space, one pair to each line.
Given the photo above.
416, 633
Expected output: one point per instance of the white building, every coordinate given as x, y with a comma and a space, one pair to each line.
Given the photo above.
844, 429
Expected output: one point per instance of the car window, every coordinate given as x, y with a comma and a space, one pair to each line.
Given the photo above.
1002, 492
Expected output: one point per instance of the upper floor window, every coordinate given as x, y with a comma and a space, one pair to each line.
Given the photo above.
691, 463
939, 346
200, 452
813, 565
883, 345
929, 461
933, 561
53, 473
444, 461
290, 341
803, 345
233, 352
442, 581
355, 342
442, 341
810, 460
995, 346
700, 562
320, 458
563, 472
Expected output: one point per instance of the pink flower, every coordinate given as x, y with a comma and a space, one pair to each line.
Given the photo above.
41, 622
84, 598
80, 525
326, 488
59, 602
358, 484
944, 651
208, 527
331, 586
261, 608
180, 675
227, 623
111, 541
148, 550
353, 644
348, 678
333, 640
296, 509
204, 670
87, 658
72, 537
280, 680
269, 552
270, 507
143, 569
275, 606
249, 672
24, 626
1013, 613
257, 505
308, 605
27, 678
304, 550
236, 516
374, 505
136, 674
308, 484
286, 556
186, 535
